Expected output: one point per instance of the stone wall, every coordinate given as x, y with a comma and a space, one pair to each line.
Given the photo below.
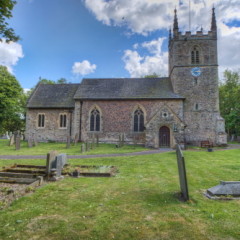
51, 130
117, 119
201, 105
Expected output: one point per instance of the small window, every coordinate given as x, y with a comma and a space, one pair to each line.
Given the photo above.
41, 120
63, 120
95, 121
196, 107
138, 120
195, 56
164, 114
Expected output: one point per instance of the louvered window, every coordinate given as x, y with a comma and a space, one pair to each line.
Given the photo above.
195, 56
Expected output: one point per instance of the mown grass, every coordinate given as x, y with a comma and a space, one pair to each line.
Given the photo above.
43, 148
139, 203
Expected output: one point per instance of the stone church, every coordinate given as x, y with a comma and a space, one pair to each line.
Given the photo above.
156, 112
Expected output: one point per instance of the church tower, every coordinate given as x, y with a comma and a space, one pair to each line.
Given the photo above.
193, 70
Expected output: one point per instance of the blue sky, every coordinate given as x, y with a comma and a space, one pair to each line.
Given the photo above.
108, 38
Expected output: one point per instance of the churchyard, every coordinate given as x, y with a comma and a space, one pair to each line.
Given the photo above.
140, 202
74, 149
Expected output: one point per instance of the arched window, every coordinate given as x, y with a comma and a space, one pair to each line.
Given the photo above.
95, 120
195, 55
138, 120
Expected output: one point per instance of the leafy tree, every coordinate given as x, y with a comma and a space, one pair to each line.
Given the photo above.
154, 75
6, 7
12, 102
62, 80
229, 95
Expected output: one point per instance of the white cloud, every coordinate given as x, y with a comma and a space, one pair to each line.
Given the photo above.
83, 68
10, 53
155, 62
145, 16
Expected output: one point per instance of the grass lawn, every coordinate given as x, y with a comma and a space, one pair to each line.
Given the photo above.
139, 203
44, 148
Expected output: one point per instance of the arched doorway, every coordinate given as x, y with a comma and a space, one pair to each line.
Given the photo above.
164, 137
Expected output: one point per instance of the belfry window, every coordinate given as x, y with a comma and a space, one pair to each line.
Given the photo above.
138, 120
95, 120
195, 55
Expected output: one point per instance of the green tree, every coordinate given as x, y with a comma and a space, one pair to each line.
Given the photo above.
62, 80
229, 96
154, 75
12, 102
6, 7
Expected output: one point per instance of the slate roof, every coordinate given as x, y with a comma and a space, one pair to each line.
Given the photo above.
126, 88
53, 96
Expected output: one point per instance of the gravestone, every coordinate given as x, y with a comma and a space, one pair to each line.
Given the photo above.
225, 188
30, 142
83, 147
68, 142
76, 139
7, 136
59, 163
17, 143
97, 138
119, 141
35, 142
87, 146
51, 157
122, 140
12, 140
182, 174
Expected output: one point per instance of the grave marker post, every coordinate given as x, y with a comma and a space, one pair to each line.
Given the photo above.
182, 174
17, 143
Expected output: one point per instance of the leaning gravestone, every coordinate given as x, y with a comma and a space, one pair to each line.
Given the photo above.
12, 140
17, 143
182, 174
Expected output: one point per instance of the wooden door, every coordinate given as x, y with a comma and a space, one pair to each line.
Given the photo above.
164, 137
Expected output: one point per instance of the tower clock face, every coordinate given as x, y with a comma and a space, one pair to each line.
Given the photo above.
196, 71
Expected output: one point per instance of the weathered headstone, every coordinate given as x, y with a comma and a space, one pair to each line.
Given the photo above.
225, 188
35, 142
68, 142
30, 142
122, 140
59, 163
182, 174
76, 139
17, 143
51, 157
119, 140
87, 146
12, 140
83, 147
97, 139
